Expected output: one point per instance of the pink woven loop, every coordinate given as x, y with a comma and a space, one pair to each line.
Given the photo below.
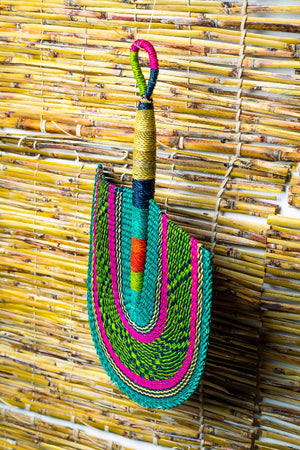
142, 43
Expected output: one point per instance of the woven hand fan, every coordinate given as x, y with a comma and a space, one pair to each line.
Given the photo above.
149, 282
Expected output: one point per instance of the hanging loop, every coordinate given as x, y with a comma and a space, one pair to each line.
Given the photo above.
145, 90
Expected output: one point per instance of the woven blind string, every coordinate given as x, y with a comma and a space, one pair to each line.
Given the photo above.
237, 155
181, 138
70, 328
78, 128
34, 231
42, 127
78, 134
42, 120
35, 274
151, 19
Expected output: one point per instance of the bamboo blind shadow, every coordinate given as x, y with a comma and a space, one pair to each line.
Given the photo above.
227, 109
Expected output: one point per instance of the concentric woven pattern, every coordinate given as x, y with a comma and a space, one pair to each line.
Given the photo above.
155, 350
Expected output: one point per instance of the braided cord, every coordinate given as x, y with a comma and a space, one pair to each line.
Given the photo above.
145, 90
138, 74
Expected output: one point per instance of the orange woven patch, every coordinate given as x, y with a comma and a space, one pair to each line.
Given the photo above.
138, 254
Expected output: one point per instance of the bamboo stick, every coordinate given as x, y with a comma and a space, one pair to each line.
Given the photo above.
257, 23
205, 7
284, 221
269, 153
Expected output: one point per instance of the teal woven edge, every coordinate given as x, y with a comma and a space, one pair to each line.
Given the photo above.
185, 393
142, 314
141, 320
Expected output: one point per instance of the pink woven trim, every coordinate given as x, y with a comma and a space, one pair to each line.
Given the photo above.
142, 43
151, 384
158, 329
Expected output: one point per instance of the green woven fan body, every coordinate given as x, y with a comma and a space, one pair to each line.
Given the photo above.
149, 283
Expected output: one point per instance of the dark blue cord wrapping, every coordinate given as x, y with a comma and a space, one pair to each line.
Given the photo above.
151, 83
145, 105
142, 192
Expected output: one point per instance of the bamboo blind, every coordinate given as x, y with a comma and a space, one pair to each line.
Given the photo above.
227, 109
20, 431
